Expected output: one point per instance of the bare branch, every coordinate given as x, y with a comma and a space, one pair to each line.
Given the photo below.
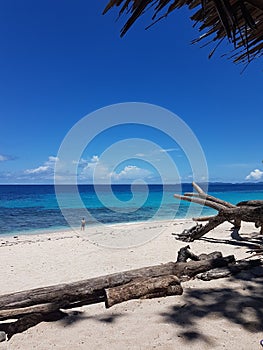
201, 201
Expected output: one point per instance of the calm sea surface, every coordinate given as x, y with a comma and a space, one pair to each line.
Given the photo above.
27, 208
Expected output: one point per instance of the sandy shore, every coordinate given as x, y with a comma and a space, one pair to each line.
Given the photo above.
220, 314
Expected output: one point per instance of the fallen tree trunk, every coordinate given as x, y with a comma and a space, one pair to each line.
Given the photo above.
92, 290
49, 303
250, 211
146, 288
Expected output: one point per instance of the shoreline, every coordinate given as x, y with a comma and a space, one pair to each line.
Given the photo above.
101, 235
92, 226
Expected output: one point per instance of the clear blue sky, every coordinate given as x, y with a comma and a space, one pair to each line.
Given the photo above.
61, 60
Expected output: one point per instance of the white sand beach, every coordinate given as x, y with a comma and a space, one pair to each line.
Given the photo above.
220, 314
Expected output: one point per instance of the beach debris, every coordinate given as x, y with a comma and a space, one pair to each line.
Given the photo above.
250, 211
184, 254
144, 288
23, 310
230, 270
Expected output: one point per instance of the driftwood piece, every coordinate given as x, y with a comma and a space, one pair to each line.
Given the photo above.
229, 270
92, 290
198, 231
250, 211
184, 254
213, 255
88, 291
251, 203
144, 288
20, 312
44, 304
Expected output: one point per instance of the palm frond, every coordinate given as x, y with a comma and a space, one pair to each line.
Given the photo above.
239, 21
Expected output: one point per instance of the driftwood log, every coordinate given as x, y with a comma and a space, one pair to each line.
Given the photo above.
250, 211
23, 310
144, 288
92, 290
232, 269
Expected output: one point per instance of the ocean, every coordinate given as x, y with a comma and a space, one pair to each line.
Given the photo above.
30, 208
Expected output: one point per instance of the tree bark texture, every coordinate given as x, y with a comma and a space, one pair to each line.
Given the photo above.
249, 211
145, 288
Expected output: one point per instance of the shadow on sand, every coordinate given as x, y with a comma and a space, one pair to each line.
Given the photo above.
242, 306
73, 317
250, 241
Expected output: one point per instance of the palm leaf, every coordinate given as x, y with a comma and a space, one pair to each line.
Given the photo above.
239, 21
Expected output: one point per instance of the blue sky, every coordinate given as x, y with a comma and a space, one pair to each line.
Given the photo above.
61, 61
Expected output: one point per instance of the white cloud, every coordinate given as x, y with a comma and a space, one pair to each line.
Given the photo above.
255, 175
95, 159
95, 170
81, 162
131, 172
40, 169
89, 171
53, 159
47, 167
84, 162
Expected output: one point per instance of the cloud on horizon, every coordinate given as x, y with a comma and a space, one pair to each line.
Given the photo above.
95, 170
131, 172
92, 170
43, 171
255, 175
89, 170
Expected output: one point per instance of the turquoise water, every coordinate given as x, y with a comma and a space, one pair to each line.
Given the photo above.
27, 208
